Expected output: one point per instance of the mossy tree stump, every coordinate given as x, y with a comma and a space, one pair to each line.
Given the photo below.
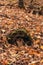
21, 36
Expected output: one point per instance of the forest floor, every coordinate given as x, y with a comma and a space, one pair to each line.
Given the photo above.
12, 18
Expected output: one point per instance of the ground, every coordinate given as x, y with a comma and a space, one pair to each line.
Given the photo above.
12, 18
